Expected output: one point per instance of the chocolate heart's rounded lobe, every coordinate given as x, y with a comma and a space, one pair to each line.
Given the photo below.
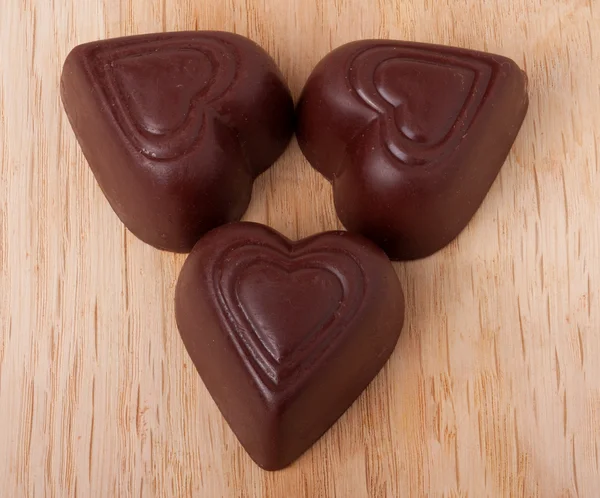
411, 135
176, 126
286, 335
328, 116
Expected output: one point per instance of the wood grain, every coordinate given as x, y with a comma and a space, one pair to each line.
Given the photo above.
494, 388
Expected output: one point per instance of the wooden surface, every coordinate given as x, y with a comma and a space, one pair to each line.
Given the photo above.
494, 388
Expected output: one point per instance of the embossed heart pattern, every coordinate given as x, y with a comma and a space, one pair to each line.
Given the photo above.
286, 335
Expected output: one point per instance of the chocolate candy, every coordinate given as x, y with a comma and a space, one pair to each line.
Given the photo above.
411, 135
176, 126
286, 335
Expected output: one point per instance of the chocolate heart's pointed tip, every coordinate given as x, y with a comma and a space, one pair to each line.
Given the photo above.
286, 335
412, 136
176, 126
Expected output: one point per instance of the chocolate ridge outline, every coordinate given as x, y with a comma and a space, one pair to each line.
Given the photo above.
192, 130
396, 142
267, 374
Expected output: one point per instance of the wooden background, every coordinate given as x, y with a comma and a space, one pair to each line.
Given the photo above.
494, 388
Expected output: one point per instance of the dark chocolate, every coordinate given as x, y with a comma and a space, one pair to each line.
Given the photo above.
286, 335
411, 135
176, 126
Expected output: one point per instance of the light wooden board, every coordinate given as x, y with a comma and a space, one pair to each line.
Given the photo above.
494, 388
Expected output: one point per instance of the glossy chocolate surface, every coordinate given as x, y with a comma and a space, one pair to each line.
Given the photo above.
411, 135
176, 126
286, 335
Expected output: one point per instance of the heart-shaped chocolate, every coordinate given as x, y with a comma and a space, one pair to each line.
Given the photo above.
411, 135
286, 335
176, 126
